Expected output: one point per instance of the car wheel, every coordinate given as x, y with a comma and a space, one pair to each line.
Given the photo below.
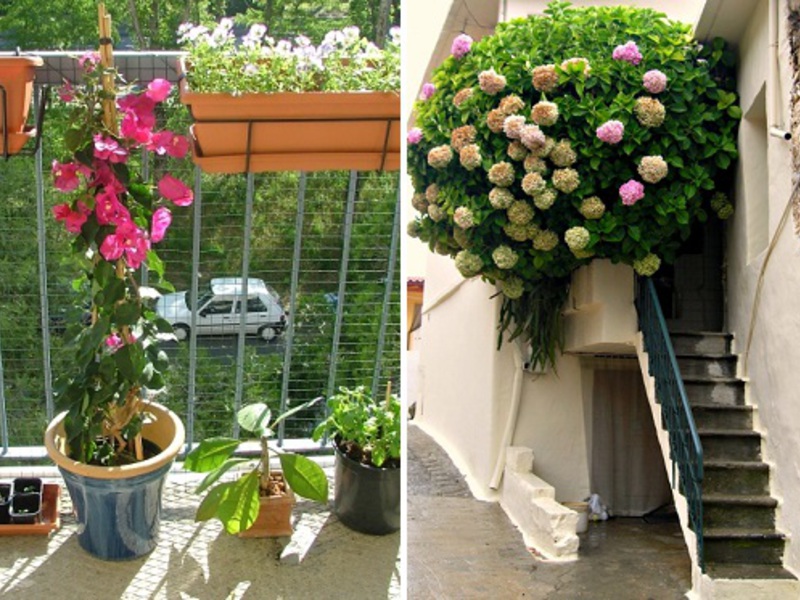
181, 332
267, 333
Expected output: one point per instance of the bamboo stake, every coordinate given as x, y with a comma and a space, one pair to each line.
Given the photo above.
107, 62
388, 393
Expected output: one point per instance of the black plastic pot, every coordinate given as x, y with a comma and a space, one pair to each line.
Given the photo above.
25, 508
27, 485
5, 503
366, 499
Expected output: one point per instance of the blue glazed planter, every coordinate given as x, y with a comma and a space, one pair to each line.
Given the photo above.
118, 509
366, 499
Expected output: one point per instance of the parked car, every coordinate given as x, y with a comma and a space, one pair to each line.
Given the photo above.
219, 309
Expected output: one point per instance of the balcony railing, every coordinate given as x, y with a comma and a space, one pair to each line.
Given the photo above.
328, 243
686, 451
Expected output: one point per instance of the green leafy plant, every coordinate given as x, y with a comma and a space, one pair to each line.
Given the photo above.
344, 61
581, 133
236, 503
366, 430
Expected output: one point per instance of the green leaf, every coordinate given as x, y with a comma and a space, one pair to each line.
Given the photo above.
295, 410
210, 454
214, 475
735, 112
239, 509
210, 504
255, 418
305, 477
127, 313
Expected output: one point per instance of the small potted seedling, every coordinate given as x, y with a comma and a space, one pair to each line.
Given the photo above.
5, 503
259, 503
26, 501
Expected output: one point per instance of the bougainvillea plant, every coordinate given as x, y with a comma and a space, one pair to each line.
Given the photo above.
116, 218
581, 133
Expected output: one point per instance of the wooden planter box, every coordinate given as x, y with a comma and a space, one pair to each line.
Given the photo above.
311, 131
16, 78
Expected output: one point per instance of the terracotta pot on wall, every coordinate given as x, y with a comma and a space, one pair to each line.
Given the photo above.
16, 78
312, 131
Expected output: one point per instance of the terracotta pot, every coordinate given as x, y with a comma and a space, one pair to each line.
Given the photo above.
310, 131
118, 509
274, 517
16, 77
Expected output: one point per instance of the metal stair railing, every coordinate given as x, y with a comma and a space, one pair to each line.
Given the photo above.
686, 451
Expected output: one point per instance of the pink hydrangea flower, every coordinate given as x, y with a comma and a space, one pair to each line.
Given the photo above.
414, 135
629, 52
654, 81
162, 219
611, 132
428, 90
461, 45
65, 176
631, 192
106, 148
175, 190
158, 90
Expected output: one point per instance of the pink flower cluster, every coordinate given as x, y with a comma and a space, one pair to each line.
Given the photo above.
611, 132
427, 92
101, 177
461, 45
629, 52
414, 135
631, 192
654, 81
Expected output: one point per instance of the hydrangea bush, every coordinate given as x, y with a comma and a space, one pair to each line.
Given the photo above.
581, 133
344, 61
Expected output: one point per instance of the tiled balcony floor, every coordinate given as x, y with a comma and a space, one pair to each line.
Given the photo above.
199, 560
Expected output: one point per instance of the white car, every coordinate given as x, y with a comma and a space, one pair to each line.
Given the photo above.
219, 309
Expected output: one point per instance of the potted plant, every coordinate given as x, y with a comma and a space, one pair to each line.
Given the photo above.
366, 438
259, 503
111, 442
266, 105
568, 136
16, 87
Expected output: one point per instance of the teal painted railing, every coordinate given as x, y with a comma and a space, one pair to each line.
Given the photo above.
686, 451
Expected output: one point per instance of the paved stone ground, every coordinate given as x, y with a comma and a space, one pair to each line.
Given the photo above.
324, 561
459, 547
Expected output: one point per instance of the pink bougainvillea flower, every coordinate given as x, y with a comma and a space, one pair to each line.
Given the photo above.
73, 219
428, 89
629, 52
175, 190
89, 61
142, 106
461, 45
414, 135
611, 132
654, 81
114, 342
104, 177
132, 129
129, 240
631, 192
167, 142
106, 148
162, 219
66, 92
158, 90
109, 210
65, 176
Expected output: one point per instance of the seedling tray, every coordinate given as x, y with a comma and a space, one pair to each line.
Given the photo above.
48, 519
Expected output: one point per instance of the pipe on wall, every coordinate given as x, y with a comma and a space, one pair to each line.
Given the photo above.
511, 420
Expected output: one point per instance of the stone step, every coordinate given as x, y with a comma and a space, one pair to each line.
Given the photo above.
743, 546
707, 365
701, 342
726, 511
727, 391
735, 477
723, 444
741, 571
717, 416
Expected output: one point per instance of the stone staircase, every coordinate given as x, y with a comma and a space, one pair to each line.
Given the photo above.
739, 533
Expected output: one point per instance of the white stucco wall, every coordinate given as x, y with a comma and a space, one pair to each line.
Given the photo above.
682, 10
774, 354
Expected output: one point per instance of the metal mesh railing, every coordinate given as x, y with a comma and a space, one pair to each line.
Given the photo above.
327, 243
